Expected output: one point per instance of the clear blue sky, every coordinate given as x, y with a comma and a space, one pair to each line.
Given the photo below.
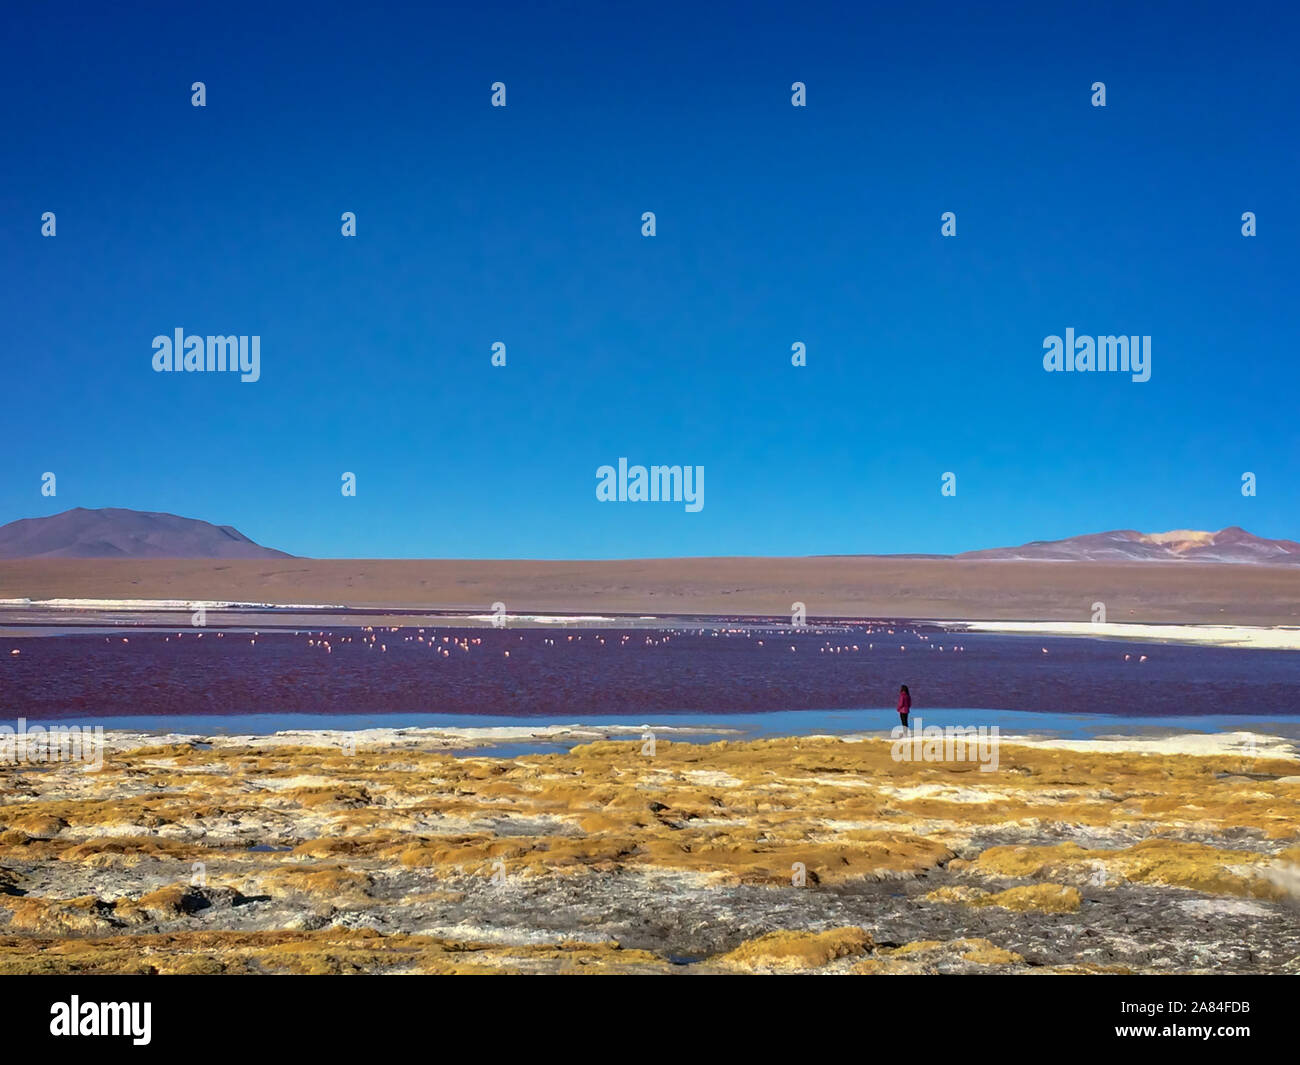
775, 225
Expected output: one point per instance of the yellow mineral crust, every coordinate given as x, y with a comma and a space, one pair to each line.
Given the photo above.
227, 858
1043, 898
797, 950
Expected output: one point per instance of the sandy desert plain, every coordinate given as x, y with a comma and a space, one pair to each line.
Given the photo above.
831, 586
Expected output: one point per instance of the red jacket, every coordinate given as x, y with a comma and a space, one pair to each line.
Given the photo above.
904, 702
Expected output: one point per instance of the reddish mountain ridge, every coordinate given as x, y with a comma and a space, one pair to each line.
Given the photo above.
1233, 545
114, 532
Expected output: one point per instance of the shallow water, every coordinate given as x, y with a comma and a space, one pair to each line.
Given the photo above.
248, 682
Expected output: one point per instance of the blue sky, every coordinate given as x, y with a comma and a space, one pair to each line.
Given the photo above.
775, 224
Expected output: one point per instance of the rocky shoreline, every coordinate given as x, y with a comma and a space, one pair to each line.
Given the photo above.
386, 852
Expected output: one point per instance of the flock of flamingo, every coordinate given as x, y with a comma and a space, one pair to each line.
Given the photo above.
443, 647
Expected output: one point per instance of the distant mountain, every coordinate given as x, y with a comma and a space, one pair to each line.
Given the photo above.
112, 532
1233, 544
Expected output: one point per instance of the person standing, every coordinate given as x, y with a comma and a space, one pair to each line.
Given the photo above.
904, 704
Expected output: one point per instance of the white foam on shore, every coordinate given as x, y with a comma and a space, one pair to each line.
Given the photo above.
541, 619
161, 604
1270, 638
228, 604
448, 738
1198, 744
